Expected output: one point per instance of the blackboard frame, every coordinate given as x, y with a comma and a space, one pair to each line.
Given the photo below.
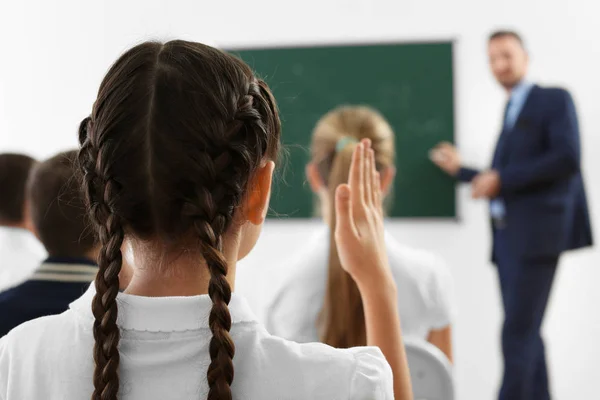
453, 41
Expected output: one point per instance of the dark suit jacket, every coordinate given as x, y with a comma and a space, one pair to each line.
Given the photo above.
539, 162
40, 296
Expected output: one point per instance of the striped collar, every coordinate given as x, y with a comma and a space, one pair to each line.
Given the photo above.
60, 269
70, 260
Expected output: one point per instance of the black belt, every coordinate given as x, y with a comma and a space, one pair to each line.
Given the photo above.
499, 223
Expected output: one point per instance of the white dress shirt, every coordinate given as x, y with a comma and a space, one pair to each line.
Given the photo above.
425, 291
164, 355
20, 255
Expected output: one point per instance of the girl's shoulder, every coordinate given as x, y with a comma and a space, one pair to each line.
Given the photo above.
36, 333
319, 371
417, 263
267, 367
31, 349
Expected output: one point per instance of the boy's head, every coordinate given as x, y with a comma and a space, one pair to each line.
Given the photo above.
57, 209
14, 170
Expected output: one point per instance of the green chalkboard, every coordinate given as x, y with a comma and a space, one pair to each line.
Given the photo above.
411, 84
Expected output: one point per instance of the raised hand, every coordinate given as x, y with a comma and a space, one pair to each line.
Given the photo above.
359, 237
359, 230
446, 157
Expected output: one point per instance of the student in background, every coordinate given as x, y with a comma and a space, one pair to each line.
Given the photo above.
319, 301
55, 204
177, 159
20, 251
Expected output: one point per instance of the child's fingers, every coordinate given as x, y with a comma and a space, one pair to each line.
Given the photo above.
373, 172
368, 195
343, 211
356, 178
377, 196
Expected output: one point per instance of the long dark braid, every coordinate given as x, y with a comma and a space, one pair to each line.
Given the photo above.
100, 194
213, 216
210, 223
176, 134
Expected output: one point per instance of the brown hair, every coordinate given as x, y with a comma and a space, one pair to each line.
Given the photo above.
14, 170
504, 33
175, 135
57, 207
341, 320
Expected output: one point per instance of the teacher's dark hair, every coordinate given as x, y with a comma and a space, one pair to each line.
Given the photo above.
506, 33
175, 135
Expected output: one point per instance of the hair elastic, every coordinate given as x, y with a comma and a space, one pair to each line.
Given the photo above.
343, 142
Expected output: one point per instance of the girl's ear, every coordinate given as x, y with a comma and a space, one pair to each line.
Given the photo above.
314, 178
257, 201
387, 176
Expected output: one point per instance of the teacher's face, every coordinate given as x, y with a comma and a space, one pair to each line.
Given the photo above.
508, 60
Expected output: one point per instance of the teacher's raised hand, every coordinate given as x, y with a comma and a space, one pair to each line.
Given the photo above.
446, 157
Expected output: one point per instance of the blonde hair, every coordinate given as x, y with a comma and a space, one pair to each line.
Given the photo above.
341, 321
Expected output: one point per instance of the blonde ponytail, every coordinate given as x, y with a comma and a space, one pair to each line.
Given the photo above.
341, 321
340, 326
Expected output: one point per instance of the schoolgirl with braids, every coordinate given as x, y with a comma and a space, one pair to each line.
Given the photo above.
176, 161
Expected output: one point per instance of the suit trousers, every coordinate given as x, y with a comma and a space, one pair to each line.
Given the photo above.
525, 285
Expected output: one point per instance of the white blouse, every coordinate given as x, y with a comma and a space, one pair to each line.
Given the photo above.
20, 255
164, 355
425, 291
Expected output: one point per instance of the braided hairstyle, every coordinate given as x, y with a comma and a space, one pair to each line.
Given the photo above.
175, 135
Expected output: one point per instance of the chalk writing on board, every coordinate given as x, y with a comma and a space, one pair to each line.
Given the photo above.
429, 127
397, 98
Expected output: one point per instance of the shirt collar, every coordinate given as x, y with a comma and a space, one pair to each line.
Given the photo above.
520, 91
65, 270
163, 314
69, 260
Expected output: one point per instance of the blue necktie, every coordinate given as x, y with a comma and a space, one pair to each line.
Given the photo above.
506, 110
497, 207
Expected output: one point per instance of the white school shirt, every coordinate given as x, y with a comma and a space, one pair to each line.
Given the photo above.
20, 255
164, 355
425, 291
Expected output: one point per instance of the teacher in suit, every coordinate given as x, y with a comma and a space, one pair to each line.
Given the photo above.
538, 207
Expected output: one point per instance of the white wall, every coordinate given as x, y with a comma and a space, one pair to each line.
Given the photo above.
53, 57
